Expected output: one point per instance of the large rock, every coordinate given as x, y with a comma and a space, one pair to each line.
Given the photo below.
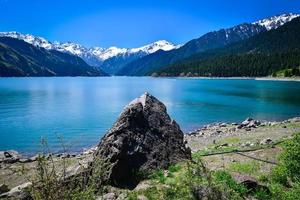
143, 139
10, 156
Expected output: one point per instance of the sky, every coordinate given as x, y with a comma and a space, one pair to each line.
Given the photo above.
132, 23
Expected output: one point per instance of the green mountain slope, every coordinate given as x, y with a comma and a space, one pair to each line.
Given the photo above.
208, 41
18, 58
260, 55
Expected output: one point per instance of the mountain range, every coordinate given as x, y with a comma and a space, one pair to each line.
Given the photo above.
156, 57
108, 59
211, 40
264, 54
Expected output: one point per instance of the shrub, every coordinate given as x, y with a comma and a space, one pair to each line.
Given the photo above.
159, 176
51, 181
279, 175
293, 193
224, 178
285, 178
262, 194
290, 158
174, 168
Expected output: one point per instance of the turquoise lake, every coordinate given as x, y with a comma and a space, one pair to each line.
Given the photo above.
81, 110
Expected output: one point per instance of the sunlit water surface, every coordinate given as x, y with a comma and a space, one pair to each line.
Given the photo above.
81, 110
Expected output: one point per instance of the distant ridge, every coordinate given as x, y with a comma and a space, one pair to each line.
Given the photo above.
19, 58
262, 55
211, 40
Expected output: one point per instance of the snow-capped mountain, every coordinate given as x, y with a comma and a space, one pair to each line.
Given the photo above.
94, 55
70, 47
87, 54
158, 45
276, 21
36, 41
105, 53
115, 58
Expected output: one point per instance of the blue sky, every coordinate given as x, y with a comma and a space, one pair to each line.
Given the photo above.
132, 23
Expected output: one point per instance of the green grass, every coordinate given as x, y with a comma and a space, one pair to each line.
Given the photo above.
293, 125
247, 168
213, 150
231, 140
179, 181
174, 168
225, 178
158, 176
288, 125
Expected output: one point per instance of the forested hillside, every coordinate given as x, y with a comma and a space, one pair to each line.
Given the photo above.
211, 40
261, 55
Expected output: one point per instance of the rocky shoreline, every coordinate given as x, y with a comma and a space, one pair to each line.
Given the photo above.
205, 132
12, 156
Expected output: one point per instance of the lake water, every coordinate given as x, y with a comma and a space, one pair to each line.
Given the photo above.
82, 109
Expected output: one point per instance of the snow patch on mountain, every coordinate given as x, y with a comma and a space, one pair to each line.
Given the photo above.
158, 45
36, 41
109, 53
276, 21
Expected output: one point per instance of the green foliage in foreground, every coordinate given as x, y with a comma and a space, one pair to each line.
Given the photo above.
51, 180
50, 183
288, 171
225, 178
183, 181
180, 181
285, 178
290, 158
247, 168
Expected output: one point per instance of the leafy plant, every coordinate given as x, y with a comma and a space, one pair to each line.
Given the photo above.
285, 178
51, 180
159, 176
224, 178
290, 158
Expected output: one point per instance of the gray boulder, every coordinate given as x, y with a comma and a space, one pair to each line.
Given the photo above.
143, 139
10, 156
266, 141
249, 123
20, 192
